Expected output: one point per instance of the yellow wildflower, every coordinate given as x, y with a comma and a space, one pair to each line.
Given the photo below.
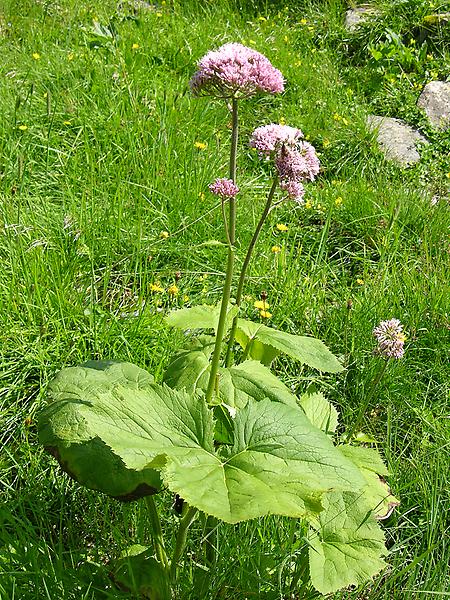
70, 56
448, 175
23, 127
200, 145
164, 235
337, 117
308, 204
185, 298
310, 28
360, 281
155, 287
262, 19
135, 46
201, 195
36, 55
430, 57
282, 227
276, 249
173, 290
303, 21
338, 201
282, 121
261, 304
67, 122
159, 14
326, 143
286, 39
298, 63
265, 314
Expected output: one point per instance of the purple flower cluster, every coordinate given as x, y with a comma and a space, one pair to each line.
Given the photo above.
233, 70
295, 160
391, 338
267, 138
225, 188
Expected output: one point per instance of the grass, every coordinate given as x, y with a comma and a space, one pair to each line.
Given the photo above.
106, 163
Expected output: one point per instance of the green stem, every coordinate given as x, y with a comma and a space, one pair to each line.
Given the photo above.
245, 264
231, 232
364, 406
180, 542
157, 534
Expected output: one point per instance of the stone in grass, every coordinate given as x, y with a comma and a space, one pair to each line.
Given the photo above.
435, 101
360, 15
396, 139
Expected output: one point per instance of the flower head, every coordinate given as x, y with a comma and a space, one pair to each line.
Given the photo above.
297, 163
294, 190
391, 338
235, 70
268, 138
225, 188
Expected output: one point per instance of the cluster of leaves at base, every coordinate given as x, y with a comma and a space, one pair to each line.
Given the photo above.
255, 450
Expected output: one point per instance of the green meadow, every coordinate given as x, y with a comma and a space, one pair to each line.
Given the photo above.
106, 223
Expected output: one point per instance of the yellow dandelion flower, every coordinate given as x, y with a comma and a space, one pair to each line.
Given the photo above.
200, 145
430, 57
164, 235
185, 298
326, 142
338, 201
282, 227
282, 121
337, 117
36, 55
303, 21
23, 127
135, 46
276, 249
201, 195
308, 204
265, 314
360, 281
261, 304
159, 14
155, 287
173, 290
67, 122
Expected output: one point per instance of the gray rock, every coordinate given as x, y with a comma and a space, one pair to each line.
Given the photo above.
396, 139
435, 101
355, 17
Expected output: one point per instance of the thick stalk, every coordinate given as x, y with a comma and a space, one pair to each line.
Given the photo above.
180, 541
245, 264
231, 229
364, 406
158, 540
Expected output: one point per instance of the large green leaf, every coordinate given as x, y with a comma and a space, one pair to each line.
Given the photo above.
307, 350
201, 317
319, 411
347, 546
377, 493
255, 349
279, 462
190, 369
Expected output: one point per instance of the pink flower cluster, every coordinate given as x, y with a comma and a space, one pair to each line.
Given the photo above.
225, 188
235, 71
295, 160
267, 138
391, 338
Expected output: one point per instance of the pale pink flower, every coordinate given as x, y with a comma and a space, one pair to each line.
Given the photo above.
297, 163
268, 138
225, 188
233, 70
391, 338
294, 190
